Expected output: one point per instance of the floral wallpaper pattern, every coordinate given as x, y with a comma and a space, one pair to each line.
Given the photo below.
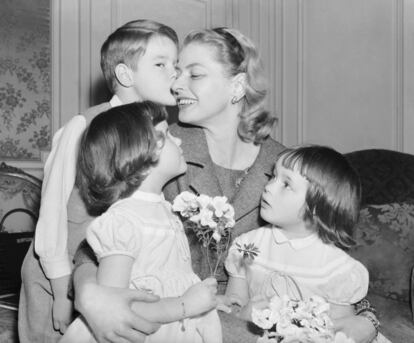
25, 79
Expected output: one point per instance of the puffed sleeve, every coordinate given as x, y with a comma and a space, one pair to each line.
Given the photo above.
113, 234
235, 264
348, 286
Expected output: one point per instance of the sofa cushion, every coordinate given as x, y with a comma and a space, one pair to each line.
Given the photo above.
385, 245
386, 176
395, 318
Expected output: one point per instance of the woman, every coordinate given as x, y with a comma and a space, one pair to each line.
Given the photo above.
220, 92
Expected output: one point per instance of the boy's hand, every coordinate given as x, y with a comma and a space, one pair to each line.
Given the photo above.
200, 297
62, 313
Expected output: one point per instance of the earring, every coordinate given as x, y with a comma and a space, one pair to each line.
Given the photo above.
234, 100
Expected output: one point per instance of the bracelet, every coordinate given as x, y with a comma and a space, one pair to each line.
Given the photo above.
363, 306
183, 315
373, 319
183, 310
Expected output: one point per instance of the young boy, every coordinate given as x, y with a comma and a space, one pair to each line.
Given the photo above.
138, 62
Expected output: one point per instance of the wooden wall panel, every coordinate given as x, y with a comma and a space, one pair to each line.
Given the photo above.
340, 72
408, 76
350, 74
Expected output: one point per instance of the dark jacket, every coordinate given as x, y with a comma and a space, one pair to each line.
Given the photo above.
200, 178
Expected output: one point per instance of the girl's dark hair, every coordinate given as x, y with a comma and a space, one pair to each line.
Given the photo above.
334, 193
116, 152
237, 54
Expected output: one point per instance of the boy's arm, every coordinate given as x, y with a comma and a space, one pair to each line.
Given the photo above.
107, 310
58, 182
115, 271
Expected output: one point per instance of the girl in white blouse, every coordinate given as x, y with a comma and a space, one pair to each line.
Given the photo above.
124, 161
311, 204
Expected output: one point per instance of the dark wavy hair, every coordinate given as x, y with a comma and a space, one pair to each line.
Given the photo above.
116, 152
334, 194
237, 54
129, 42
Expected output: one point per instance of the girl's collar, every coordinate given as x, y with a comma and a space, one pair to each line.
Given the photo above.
296, 243
147, 196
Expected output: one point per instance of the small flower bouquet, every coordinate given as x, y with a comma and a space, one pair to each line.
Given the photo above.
211, 220
289, 321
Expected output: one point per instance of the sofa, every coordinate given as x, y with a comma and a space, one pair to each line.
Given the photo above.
385, 237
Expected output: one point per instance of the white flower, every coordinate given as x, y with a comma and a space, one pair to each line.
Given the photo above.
220, 206
290, 331
216, 236
204, 218
264, 319
340, 337
230, 223
185, 203
203, 201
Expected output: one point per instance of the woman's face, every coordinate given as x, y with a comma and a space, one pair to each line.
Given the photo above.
202, 89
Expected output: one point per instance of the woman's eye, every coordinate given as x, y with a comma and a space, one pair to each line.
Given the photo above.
196, 76
286, 184
269, 176
162, 65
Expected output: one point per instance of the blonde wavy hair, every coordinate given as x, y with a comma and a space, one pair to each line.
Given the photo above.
238, 54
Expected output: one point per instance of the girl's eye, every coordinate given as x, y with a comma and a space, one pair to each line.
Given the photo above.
286, 184
161, 65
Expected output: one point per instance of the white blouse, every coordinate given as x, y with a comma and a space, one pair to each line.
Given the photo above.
297, 267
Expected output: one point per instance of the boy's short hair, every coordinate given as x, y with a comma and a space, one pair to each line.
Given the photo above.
127, 43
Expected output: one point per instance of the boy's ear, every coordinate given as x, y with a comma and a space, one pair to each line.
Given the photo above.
124, 75
239, 86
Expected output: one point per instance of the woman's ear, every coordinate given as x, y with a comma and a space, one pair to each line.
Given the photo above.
238, 87
123, 75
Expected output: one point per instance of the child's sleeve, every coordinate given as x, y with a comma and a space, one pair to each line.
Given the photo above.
349, 285
58, 182
234, 263
112, 234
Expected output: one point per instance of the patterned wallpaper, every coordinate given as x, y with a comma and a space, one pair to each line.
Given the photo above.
25, 76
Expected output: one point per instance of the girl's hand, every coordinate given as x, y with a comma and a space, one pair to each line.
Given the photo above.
359, 328
246, 311
62, 313
224, 303
200, 297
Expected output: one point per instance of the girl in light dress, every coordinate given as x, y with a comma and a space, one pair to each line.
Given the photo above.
311, 204
124, 161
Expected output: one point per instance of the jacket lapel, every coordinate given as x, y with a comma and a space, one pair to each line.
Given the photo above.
247, 198
201, 176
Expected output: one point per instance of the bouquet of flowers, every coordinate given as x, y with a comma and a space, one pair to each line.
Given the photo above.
288, 321
211, 219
